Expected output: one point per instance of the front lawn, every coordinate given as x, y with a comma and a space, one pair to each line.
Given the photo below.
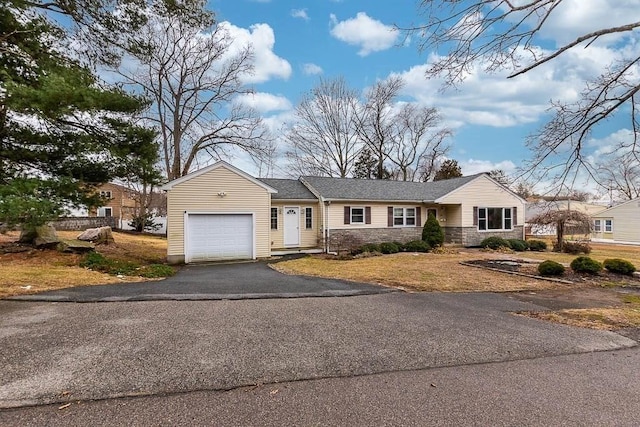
416, 271
42, 270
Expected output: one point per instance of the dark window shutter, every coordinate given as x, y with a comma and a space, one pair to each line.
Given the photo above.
367, 215
390, 216
475, 215
418, 216
514, 214
347, 214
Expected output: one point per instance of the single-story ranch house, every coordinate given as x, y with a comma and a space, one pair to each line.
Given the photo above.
220, 212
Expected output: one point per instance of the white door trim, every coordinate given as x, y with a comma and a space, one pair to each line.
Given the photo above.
291, 234
185, 230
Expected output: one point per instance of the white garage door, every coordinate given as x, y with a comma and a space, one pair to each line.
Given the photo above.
214, 237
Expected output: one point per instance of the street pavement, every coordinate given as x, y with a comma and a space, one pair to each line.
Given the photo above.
249, 280
65, 352
587, 389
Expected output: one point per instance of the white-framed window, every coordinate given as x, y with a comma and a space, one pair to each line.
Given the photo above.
608, 225
357, 215
404, 217
274, 218
105, 212
105, 194
495, 219
308, 218
597, 225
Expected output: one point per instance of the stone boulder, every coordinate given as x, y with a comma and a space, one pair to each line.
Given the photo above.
99, 236
41, 237
75, 246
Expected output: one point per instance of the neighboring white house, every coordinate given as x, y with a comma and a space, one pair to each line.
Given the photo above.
620, 224
541, 206
220, 212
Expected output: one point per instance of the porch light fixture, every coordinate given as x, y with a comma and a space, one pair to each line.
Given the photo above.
221, 193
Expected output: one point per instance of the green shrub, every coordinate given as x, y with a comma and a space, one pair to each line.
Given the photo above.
94, 261
400, 246
157, 270
574, 248
620, 266
417, 246
550, 268
494, 242
584, 264
432, 232
370, 247
389, 248
537, 245
518, 245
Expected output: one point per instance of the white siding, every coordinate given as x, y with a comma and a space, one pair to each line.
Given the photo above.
626, 222
308, 238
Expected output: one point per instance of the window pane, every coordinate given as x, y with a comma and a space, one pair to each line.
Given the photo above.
274, 218
608, 225
357, 215
308, 218
596, 225
482, 224
482, 213
410, 216
398, 216
507, 223
494, 218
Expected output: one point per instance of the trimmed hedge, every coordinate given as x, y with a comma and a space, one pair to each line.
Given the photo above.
432, 232
417, 246
550, 268
494, 242
620, 266
370, 247
389, 248
537, 245
584, 264
518, 245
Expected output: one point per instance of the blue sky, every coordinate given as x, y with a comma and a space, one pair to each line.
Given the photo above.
296, 42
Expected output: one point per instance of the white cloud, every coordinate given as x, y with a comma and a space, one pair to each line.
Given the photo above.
267, 64
368, 34
265, 102
474, 166
311, 69
300, 13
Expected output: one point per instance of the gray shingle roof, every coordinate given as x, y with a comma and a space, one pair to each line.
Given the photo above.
374, 189
288, 189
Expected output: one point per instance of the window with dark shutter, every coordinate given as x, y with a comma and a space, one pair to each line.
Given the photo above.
418, 216
347, 214
475, 215
367, 215
390, 216
515, 215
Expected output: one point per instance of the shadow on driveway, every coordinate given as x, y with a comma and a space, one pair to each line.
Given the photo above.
251, 280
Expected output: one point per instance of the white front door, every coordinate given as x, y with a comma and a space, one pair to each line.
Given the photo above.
291, 226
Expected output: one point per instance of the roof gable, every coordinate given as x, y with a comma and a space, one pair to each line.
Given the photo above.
221, 164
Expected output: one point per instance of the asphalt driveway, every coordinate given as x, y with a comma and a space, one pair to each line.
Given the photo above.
251, 280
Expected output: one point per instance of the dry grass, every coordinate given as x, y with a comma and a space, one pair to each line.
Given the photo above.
420, 272
37, 271
609, 319
600, 252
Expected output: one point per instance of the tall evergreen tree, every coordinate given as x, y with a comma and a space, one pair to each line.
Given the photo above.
448, 169
62, 131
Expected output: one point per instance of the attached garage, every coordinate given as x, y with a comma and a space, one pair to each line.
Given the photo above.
216, 237
218, 213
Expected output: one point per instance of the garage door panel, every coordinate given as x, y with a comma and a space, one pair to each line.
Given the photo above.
212, 237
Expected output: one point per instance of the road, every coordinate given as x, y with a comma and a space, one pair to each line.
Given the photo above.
368, 359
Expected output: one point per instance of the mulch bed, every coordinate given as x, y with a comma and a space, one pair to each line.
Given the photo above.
530, 268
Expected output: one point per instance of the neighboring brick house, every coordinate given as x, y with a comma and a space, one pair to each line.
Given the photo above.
220, 212
122, 204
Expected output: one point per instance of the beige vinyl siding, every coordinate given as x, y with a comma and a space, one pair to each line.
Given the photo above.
378, 214
200, 194
308, 238
626, 218
453, 216
481, 192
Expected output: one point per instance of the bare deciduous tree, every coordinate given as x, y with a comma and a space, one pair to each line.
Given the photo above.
185, 64
375, 120
323, 140
621, 176
562, 219
498, 34
417, 142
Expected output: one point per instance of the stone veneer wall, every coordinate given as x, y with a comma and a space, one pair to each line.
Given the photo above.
470, 236
82, 223
359, 236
